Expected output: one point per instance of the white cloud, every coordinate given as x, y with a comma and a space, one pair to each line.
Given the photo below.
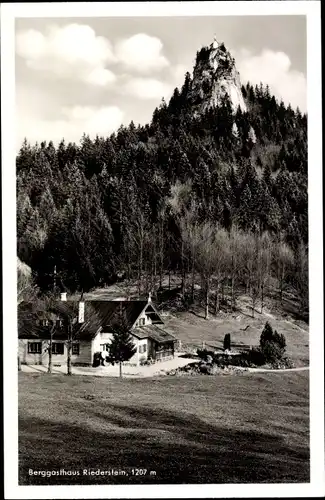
274, 69
72, 51
142, 53
101, 77
146, 88
76, 120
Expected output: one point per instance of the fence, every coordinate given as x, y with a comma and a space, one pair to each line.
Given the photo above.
192, 347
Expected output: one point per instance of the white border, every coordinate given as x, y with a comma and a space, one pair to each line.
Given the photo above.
8, 14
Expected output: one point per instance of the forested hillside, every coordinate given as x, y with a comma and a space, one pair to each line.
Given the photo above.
221, 194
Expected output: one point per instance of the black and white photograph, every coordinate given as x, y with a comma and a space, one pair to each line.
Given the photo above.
164, 313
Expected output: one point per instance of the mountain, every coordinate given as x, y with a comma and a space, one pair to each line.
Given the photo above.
230, 155
214, 77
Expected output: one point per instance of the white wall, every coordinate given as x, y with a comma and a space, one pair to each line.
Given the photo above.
105, 338
146, 318
143, 355
84, 356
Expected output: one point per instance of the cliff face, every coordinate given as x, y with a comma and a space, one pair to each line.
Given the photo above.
214, 76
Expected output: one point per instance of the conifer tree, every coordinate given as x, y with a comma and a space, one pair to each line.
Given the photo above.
121, 347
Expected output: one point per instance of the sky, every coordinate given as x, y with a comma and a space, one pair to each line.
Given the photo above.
93, 74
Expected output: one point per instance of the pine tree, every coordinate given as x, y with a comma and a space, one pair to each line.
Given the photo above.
122, 347
227, 342
266, 335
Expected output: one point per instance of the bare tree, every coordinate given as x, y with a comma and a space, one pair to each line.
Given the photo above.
26, 288
73, 324
301, 276
27, 291
220, 264
190, 237
161, 244
140, 229
235, 259
35, 317
248, 255
264, 260
45, 309
179, 202
284, 259
204, 239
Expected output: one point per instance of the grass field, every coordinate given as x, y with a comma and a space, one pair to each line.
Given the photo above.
225, 429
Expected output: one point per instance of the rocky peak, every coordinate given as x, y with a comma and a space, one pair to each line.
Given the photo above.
214, 76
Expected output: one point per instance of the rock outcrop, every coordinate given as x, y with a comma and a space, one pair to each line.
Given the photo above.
215, 76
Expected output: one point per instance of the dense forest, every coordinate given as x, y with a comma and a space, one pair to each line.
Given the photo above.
219, 197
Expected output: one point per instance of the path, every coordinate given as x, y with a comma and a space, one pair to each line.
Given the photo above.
141, 371
263, 370
113, 371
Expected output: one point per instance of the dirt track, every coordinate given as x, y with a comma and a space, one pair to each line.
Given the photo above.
268, 370
140, 371
113, 371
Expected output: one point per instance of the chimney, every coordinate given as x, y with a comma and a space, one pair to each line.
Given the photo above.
149, 298
64, 296
81, 315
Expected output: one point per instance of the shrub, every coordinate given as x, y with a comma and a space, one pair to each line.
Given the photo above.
204, 353
206, 369
226, 342
97, 358
256, 357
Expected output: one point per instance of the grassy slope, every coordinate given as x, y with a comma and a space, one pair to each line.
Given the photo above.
248, 428
192, 329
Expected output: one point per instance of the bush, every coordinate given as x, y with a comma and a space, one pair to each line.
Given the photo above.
226, 342
204, 353
97, 359
256, 357
206, 369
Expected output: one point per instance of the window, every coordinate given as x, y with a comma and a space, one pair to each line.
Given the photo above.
104, 347
46, 322
142, 348
57, 348
75, 349
142, 321
58, 323
34, 347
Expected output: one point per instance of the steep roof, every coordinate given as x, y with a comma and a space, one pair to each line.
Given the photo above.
153, 332
30, 314
103, 314
111, 311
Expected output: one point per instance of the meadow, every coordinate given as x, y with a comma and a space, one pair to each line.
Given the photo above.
193, 330
199, 429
